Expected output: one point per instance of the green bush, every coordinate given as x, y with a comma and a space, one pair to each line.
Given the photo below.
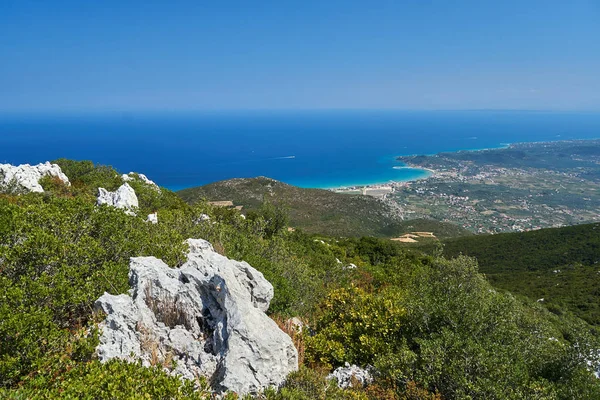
307, 384
112, 380
451, 332
357, 327
86, 178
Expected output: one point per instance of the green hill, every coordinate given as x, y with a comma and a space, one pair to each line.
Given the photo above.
319, 211
559, 265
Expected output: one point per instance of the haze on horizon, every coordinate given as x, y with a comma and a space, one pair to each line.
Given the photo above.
192, 55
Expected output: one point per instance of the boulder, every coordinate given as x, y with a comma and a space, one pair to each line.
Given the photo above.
345, 376
28, 176
208, 316
152, 218
124, 197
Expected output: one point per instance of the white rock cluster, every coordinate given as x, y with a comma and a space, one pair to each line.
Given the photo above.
28, 176
344, 375
124, 197
208, 316
130, 176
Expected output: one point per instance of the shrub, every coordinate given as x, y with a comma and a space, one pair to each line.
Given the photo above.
357, 327
115, 379
451, 332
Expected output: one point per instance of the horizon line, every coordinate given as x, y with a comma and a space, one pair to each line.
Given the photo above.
125, 112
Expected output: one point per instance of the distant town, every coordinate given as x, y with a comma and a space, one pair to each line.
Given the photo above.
523, 187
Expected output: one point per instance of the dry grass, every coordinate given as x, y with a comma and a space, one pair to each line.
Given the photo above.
294, 333
166, 309
149, 344
219, 248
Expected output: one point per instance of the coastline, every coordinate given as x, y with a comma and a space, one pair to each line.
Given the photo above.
430, 173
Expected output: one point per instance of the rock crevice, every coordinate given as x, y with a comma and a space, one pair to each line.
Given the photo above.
208, 316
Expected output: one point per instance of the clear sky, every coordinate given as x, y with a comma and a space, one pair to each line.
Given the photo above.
197, 55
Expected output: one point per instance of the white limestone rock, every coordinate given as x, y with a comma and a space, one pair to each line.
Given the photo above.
124, 197
344, 375
152, 218
208, 316
28, 176
131, 176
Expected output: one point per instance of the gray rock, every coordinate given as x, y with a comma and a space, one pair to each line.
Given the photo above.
28, 176
207, 316
124, 197
344, 375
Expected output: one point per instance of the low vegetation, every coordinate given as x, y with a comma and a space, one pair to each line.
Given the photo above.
319, 211
431, 327
559, 267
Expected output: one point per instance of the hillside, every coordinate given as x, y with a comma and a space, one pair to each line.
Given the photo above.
169, 288
559, 265
319, 211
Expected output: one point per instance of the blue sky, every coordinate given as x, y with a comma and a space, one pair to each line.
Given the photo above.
215, 55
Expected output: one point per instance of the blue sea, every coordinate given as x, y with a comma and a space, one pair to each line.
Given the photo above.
321, 149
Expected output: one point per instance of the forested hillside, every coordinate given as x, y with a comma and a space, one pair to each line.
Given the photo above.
429, 327
319, 211
559, 265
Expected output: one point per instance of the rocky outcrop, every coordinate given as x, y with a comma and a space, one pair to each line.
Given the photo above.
124, 197
27, 176
208, 316
349, 373
132, 175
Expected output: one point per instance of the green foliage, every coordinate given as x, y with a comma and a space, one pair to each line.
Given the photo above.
538, 250
452, 333
58, 256
357, 327
317, 211
152, 199
559, 265
113, 380
275, 219
86, 178
441, 229
427, 324
307, 384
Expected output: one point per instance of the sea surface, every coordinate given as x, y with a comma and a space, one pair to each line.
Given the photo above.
322, 149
